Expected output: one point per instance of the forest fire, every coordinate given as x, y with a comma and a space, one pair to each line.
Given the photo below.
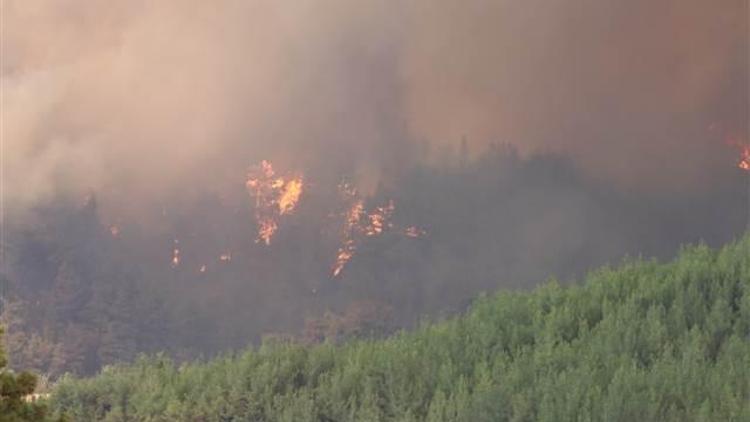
744, 162
175, 254
359, 223
352, 222
379, 220
266, 229
744, 149
275, 196
290, 196
345, 253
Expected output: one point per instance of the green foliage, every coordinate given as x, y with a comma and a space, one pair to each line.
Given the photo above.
645, 342
14, 388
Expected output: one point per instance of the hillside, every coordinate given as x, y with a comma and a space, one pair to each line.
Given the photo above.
84, 289
646, 341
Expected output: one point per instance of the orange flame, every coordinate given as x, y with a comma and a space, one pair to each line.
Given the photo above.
345, 253
175, 258
176, 254
359, 224
380, 219
744, 161
274, 197
266, 229
290, 193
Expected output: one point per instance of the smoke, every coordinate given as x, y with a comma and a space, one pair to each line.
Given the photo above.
142, 100
617, 113
146, 100
628, 88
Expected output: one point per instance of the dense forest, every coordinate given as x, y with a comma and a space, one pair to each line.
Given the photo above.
645, 341
14, 390
364, 210
79, 295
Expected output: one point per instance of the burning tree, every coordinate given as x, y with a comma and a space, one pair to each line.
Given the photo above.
360, 224
275, 196
744, 164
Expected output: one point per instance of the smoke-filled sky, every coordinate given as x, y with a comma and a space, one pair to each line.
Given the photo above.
147, 99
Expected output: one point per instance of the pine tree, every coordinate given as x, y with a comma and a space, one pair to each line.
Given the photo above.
13, 390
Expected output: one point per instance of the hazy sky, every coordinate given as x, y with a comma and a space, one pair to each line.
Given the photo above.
151, 98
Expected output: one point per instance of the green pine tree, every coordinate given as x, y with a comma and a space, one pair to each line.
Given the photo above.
13, 390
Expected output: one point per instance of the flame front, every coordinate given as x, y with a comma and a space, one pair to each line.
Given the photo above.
266, 229
290, 193
379, 220
360, 224
346, 252
274, 197
175, 254
351, 225
744, 163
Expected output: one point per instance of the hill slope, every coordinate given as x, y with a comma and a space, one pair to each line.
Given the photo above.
644, 342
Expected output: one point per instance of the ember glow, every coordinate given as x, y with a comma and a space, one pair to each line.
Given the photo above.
360, 224
414, 232
352, 220
345, 253
379, 219
744, 149
290, 194
176, 254
266, 229
744, 162
275, 196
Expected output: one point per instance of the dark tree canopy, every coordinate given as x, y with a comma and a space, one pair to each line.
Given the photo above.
14, 389
645, 342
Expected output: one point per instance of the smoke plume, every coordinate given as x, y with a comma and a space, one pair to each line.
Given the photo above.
145, 100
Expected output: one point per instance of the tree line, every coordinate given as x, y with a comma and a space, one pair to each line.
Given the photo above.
645, 341
76, 297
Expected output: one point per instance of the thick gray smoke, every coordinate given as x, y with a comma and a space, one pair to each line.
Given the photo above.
154, 99
629, 88
140, 100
